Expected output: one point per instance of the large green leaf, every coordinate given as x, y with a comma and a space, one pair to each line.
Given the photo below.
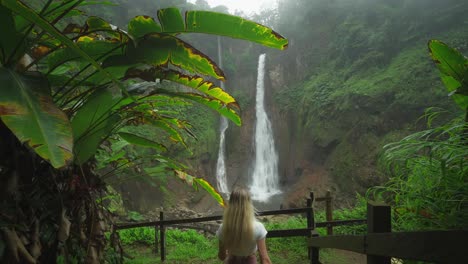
198, 83
195, 182
30, 15
97, 49
160, 49
141, 141
166, 124
97, 24
171, 20
10, 38
26, 107
195, 82
57, 9
453, 67
207, 22
210, 189
214, 104
94, 121
142, 25
233, 26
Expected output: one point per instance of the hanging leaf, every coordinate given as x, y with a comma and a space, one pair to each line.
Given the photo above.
10, 37
27, 109
210, 189
171, 20
185, 177
30, 15
142, 25
219, 24
195, 182
453, 68
140, 141
195, 82
175, 51
201, 85
97, 49
96, 24
449, 61
211, 103
165, 125
57, 9
234, 27
94, 121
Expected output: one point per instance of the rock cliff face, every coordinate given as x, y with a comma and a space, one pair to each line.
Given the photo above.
301, 168
337, 152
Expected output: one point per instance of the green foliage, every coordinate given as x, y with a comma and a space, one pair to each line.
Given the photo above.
143, 235
70, 82
27, 109
292, 249
453, 68
356, 211
116, 61
181, 244
428, 187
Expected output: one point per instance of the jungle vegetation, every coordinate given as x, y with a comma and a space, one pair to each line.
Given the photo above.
71, 82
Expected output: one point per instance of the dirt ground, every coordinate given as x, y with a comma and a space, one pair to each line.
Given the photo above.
345, 257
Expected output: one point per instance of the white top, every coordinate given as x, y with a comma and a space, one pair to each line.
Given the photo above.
251, 247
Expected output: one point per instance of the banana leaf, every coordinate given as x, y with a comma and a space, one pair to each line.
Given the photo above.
27, 109
453, 68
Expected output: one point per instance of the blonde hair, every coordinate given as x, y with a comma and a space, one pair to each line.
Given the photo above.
238, 220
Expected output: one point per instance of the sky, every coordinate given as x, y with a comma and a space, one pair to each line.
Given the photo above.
247, 6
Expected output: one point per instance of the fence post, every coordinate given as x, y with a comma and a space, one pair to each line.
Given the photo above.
378, 221
156, 240
314, 258
329, 213
312, 252
162, 236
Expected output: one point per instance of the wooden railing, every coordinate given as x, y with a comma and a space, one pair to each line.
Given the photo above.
379, 244
161, 225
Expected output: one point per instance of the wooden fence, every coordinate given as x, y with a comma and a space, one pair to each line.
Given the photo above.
161, 225
379, 244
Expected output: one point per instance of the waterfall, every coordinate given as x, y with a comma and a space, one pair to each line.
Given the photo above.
221, 179
220, 165
265, 172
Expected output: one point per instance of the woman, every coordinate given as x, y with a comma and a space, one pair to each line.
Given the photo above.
240, 234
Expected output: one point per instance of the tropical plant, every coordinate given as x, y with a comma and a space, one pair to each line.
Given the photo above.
429, 169
66, 87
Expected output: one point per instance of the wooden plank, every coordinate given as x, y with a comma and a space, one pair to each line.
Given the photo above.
289, 233
378, 221
203, 219
432, 246
283, 211
170, 222
353, 243
342, 222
